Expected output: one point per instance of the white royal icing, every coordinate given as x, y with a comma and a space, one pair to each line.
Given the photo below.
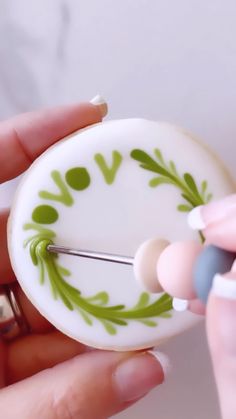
111, 211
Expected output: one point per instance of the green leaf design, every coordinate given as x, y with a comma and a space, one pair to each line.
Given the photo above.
192, 186
64, 195
64, 298
168, 174
165, 315
159, 156
41, 272
44, 232
109, 327
149, 323
119, 322
118, 307
147, 162
184, 208
161, 180
204, 187
97, 306
63, 271
101, 298
109, 173
143, 301
86, 317
54, 290
173, 168
188, 199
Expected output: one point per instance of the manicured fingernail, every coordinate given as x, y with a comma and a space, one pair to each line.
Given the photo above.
101, 103
138, 375
224, 286
179, 304
201, 217
195, 219
162, 359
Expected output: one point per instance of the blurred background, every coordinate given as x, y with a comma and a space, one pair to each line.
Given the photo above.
160, 59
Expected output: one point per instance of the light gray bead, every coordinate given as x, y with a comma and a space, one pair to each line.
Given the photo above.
212, 260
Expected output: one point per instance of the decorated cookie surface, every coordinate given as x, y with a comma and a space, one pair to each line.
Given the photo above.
109, 188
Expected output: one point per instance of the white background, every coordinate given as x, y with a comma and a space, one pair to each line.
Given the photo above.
161, 59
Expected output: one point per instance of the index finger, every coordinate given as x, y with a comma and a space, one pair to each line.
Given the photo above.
23, 138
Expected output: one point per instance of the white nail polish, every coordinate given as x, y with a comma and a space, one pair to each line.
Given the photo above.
179, 304
224, 287
101, 104
98, 100
162, 359
195, 220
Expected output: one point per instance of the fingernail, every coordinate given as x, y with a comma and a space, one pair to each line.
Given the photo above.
179, 304
224, 286
195, 219
138, 375
162, 359
101, 103
201, 217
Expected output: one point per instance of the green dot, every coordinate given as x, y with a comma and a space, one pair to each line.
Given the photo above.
45, 214
78, 178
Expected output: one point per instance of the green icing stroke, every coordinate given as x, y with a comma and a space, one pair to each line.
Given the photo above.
96, 306
78, 179
45, 214
167, 173
109, 173
64, 195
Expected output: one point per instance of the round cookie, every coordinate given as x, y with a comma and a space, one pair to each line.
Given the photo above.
109, 188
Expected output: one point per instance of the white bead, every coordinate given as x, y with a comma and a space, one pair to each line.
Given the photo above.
145, 263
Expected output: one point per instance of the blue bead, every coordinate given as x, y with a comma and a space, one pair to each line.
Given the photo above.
212, 260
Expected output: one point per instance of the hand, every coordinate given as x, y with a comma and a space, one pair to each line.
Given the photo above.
219, 222
49, 379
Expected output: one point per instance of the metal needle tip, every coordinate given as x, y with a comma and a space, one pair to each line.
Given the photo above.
106, 257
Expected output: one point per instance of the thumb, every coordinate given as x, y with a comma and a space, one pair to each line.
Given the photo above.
94, 385
221, 330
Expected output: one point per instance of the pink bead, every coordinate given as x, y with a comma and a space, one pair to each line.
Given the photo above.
175, 267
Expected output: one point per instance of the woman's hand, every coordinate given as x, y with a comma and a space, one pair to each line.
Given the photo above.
219, 227
52, 376
218, 223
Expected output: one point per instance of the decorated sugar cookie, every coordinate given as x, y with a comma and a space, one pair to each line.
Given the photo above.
109, 188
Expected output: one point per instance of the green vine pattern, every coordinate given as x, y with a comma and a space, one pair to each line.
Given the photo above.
168, 174
64, 196
95, 306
